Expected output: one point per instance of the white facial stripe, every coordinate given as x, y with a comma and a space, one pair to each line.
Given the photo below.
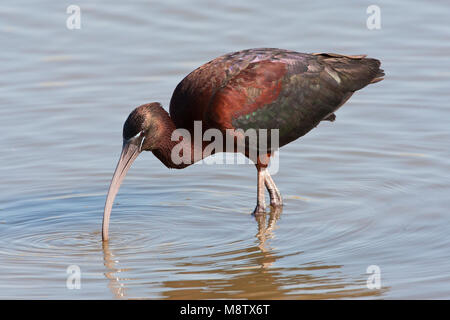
135, 137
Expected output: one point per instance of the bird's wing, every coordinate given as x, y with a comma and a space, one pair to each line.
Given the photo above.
292, 94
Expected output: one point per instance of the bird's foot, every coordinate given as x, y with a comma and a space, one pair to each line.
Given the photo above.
259, 210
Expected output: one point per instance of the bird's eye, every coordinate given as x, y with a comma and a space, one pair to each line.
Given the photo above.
137, 135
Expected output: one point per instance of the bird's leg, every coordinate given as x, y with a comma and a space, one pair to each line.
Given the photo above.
275, 196
260, 202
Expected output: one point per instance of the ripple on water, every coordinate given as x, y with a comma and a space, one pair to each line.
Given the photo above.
189, 249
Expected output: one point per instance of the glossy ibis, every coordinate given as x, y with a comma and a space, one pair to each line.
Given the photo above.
250, 89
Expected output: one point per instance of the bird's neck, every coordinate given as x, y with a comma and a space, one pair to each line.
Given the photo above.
178, 153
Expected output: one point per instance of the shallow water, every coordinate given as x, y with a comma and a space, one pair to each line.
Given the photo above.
372, 188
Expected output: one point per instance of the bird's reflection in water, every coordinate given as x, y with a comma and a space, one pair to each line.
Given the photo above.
244, 272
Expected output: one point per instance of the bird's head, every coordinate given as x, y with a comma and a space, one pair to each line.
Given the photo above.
142, 131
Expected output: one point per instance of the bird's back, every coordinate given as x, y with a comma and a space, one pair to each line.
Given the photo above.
270, 89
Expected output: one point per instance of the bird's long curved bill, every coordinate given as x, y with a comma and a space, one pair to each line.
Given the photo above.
130, 151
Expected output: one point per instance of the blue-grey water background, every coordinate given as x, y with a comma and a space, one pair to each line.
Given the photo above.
372, 188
